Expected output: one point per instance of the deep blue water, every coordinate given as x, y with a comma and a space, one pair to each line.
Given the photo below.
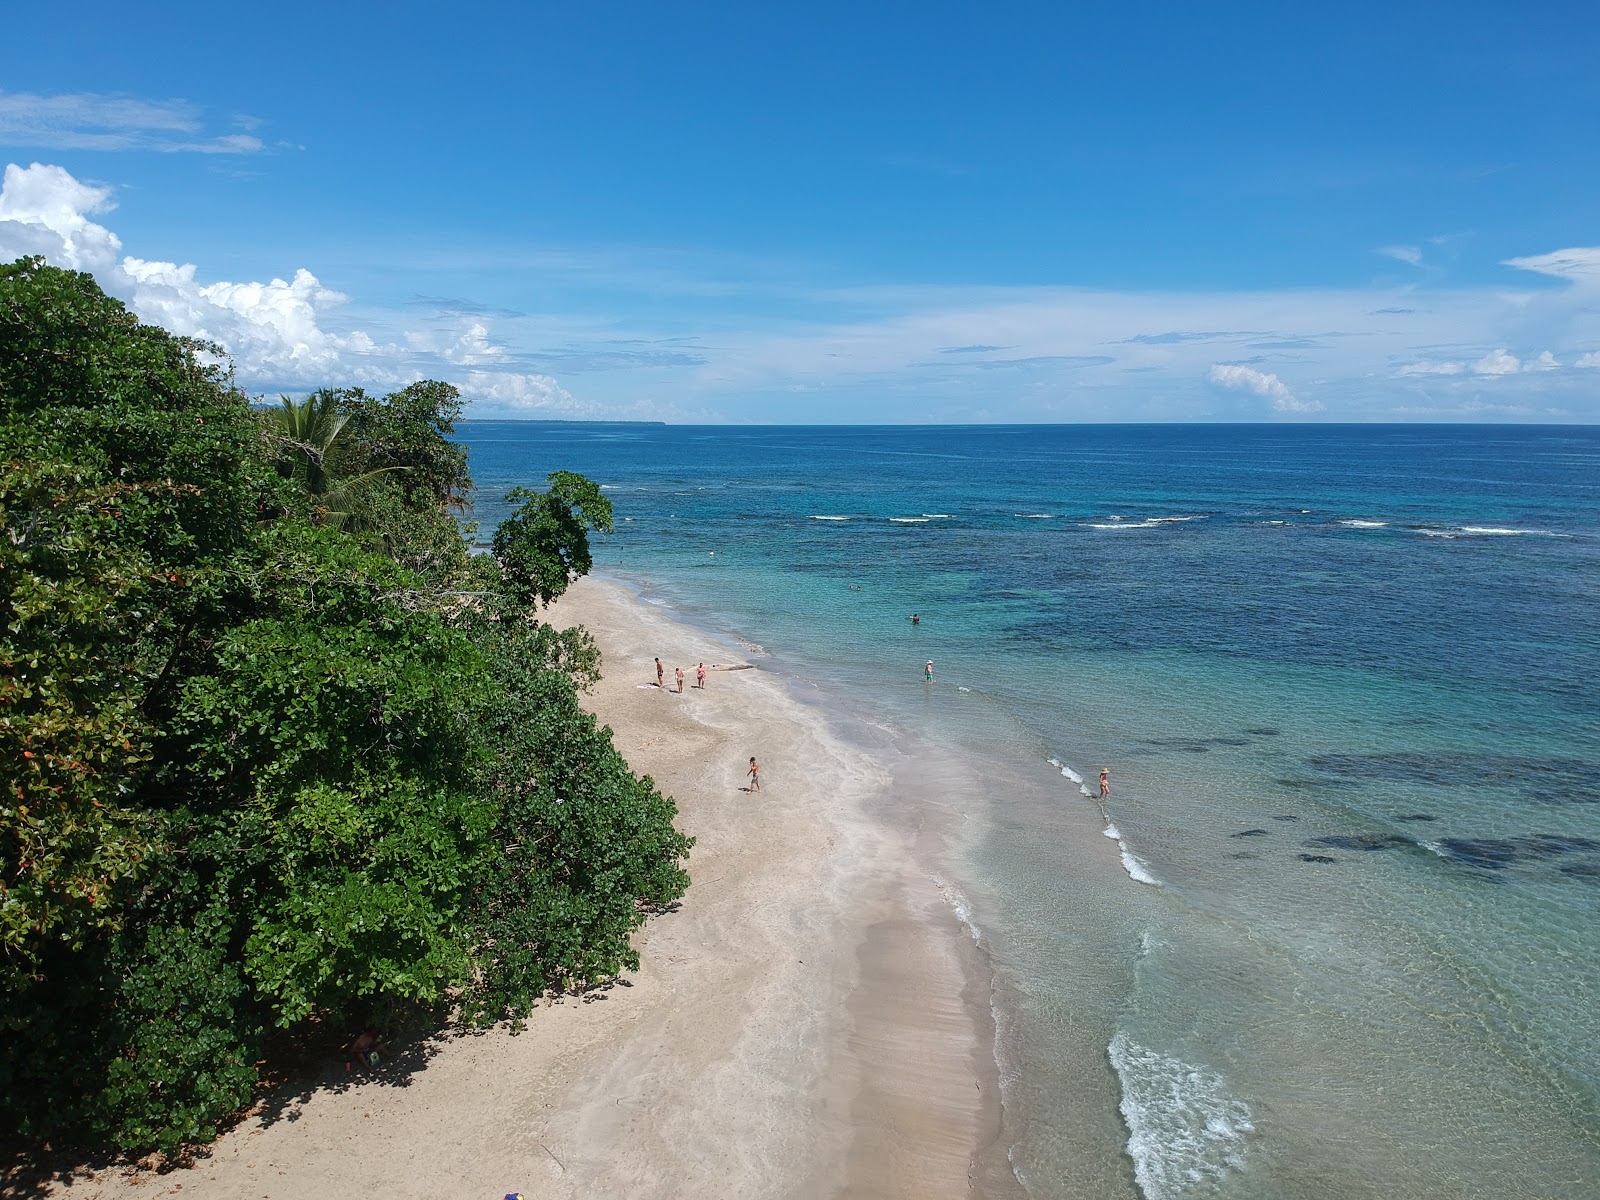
1290, 644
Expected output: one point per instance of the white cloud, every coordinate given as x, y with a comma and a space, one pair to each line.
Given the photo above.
522, 394
1411, 255
1581, 264
1592, 359
1425, 367
85, 121
277, 333
470, 347
1545, 362
1497, 362
1262, 384
43, 210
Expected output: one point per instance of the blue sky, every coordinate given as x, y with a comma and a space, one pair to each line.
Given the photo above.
926, 212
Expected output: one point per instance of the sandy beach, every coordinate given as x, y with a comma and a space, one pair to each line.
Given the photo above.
812, 1020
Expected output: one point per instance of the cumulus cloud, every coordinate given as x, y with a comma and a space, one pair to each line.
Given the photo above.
277, 333
85, 121
1580, 264
1411, 255
1592, 359
1497, 362
523, 394
1231, 375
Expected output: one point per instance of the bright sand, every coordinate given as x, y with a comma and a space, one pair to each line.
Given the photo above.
813, 1020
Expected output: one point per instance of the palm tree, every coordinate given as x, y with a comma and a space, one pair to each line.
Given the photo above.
308, 442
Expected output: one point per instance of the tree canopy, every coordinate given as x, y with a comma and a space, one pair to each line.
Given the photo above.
268, 768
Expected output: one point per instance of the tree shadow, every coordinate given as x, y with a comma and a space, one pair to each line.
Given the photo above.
298, 1064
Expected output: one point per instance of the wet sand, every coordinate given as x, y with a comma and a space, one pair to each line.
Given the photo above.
813, 1020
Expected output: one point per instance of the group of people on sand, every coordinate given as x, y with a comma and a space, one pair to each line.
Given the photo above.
661, 676
700, 682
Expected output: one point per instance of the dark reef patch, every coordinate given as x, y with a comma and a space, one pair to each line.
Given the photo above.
1264, 731
1542, 780
1496, 854
1191, 745
1360, 841
1249, 833
1417, 817
1318, 858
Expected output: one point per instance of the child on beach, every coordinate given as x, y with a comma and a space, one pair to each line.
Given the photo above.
755, 774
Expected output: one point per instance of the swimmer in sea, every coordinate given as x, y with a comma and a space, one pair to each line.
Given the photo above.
927, 672
916, 620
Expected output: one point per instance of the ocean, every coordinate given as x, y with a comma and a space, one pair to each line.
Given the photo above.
1341, 934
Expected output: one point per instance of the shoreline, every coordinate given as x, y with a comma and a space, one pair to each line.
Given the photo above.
814, 1018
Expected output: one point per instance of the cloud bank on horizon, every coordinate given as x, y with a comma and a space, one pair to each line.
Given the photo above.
896, 353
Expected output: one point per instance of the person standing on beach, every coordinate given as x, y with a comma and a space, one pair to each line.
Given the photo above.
1105, 782
755, 774
927, 672
680, 681
661, 673
700, 677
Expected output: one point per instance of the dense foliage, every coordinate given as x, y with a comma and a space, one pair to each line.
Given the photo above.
279, 748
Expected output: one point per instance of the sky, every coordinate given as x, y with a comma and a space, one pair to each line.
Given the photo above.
838, 213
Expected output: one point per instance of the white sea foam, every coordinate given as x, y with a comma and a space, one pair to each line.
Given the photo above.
1084, 788
1484, 531
1183, 1128
959, 905
1036, 516
1136, 869
1064, 769
1131, 863
959, 688
816, 517
1358, 524
910, 520
1123, 525
939, 516
1174, 520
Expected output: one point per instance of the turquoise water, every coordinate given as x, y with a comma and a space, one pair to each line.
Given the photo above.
1339, 938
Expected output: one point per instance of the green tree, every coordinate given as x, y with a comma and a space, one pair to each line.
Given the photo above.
544, 545
313, 450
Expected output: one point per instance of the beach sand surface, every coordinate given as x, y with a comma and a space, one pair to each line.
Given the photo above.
813, 1020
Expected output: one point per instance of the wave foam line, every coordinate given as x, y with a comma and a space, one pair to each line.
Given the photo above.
1183, 1128
1356, 524
1065, 770
816, 517
910, 520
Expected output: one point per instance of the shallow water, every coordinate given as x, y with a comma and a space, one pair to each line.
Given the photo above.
1341, 940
